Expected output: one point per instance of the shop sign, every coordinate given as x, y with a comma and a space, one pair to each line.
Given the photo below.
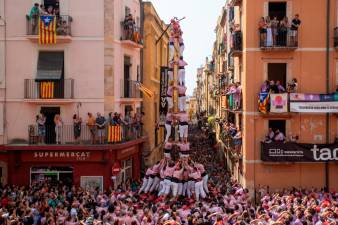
296, 152
79, 156
314, 103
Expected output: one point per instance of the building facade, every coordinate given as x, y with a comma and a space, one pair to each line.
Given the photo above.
155, 57
307, 55
79, 74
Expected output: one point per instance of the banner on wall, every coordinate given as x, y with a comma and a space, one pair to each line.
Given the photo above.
314, 103
163, 106
279, 103
295, 152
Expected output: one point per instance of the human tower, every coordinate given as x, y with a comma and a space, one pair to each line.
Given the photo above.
176, 175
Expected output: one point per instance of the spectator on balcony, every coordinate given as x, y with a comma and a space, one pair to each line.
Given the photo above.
62, 27
274, 27
295, 23
280, 87
273, 87
129, 25
77, 122
279, 136
58, 128
238, 140
271, 134
100, 123
293, 86
50, 11
34, 17
138, 123
283, 31
43, 10
262, 31
40, 121
92, 128
265, 88
269, 41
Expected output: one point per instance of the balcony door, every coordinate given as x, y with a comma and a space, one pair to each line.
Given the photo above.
50, 113
277, 72
126, 78
277, 9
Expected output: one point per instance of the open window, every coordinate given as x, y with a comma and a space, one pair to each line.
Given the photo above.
50, 75
278, 124
127, 78
54, 4
277, 72
277, 9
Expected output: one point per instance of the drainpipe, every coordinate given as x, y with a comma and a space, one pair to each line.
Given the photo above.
327, 184
4, 136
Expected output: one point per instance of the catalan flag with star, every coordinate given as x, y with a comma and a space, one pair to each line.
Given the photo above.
47, 30
263, 102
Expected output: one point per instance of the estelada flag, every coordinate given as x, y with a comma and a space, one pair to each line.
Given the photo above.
47, 30
263, 102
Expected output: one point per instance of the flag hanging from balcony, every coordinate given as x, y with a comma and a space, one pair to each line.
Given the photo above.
114, 134
263, 102
46, 89
47, 30
148, 93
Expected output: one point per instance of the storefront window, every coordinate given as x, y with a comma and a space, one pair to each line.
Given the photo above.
51, 175
126, 171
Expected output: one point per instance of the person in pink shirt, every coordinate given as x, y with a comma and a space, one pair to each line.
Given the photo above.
199, 191
181, 97
181, 70
183, 118
171, 71
171, 46
168, 148
184, 148
168, 173
168, 123
170, 93
176, 181
180, 41
204, 176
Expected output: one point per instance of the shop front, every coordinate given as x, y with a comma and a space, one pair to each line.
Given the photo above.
87, 166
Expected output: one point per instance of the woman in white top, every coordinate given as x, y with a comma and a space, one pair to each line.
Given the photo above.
58, 128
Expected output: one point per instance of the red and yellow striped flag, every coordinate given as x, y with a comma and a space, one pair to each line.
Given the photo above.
147, 92
47, 89
114, 134
47, 30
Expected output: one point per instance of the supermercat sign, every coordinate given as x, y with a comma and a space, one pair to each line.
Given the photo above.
296, 152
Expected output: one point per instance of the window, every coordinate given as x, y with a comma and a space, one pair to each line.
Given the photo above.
277, 9
126, 80
126, 170
50, 66
277, 72
54, 4
278, 124
126, 11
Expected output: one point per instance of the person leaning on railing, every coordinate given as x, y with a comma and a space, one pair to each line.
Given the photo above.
34, 17
92, 128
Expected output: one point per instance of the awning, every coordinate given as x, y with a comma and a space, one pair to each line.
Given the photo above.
50, 66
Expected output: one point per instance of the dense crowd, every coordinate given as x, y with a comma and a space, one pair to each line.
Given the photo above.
226, 203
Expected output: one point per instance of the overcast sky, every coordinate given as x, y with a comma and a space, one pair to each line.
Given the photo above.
198, 29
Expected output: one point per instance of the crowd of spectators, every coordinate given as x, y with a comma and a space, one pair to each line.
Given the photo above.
227, 202
232, 133
275, 87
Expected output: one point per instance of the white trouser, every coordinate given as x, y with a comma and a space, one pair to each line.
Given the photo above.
58, 134
182, 156
144, 184
205, 183
150, 182
168, 129
181, 50
174, 187
167, 155
180, 189
183, 131
161, 188
170, 102
199, 190
181, 103
190, 187
170, 76
171, 51
184, 188
156, 183
166, 184
181, 76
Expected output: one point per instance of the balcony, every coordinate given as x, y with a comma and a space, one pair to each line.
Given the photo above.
284, 41
234, 102
231, 63
129, 90
54, 91
235, 2
66, 136
232, 144
131, 36
336, 38
63, 29
236, 44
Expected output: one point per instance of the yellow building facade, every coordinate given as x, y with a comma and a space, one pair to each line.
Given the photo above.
155, 56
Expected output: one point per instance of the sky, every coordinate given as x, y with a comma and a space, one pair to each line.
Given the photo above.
198, 30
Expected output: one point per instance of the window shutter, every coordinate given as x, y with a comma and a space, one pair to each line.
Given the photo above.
266, 9
64, 7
